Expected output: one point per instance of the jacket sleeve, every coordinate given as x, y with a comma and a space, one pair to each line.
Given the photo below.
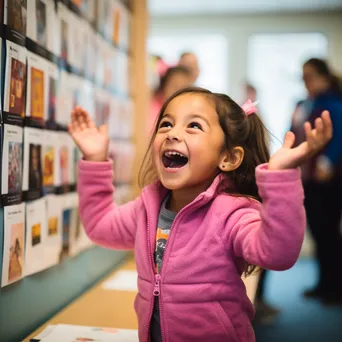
105, 223
270, 235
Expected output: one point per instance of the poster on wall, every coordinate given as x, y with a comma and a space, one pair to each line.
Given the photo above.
120, 22
36, 232
102, 106
53, 244
38, 12
12, 169
15, 17
36, 90
32, 165
14, 244
65, 34
50, 162
14, 85
65, 175
100, 49
51, 95
77, 26
91, 52
70, 226
125, 110
65, 99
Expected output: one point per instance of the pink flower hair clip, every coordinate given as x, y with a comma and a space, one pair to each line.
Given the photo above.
249, 107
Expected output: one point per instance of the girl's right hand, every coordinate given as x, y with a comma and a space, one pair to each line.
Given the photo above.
92, 141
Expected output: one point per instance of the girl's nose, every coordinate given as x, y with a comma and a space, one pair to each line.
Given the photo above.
172, 136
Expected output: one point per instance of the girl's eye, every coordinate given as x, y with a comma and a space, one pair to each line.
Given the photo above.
195, 125
165, 124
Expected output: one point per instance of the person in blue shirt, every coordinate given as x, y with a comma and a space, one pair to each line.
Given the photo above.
322, 177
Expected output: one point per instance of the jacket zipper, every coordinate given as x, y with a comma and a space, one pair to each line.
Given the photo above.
157, 276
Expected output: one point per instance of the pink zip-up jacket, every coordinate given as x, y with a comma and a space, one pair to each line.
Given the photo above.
202, 297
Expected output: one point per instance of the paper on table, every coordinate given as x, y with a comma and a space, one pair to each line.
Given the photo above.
75, 333
123, 281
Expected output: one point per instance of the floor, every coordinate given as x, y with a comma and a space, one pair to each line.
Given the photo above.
300, 319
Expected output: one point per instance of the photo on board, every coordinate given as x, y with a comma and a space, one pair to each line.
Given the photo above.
15, 268
48, 165
52, 100
35, 167
17, 15
36, 234
41, 23
15, 167
37, 93
17, 87
64, 164
52, 225
64, 40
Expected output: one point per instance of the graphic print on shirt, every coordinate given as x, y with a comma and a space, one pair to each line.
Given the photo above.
161, 240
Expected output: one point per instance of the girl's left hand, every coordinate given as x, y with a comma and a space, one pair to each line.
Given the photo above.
316, 139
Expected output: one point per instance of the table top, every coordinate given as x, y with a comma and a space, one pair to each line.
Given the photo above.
99, 307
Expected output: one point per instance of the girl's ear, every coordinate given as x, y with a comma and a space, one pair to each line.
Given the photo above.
231, 160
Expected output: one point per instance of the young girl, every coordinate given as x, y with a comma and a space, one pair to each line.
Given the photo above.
199, 224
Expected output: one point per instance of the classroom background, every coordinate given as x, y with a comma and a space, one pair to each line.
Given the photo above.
108, 56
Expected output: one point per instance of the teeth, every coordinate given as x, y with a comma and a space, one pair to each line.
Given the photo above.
173, 153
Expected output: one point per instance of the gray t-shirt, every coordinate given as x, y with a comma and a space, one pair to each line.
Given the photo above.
165, 221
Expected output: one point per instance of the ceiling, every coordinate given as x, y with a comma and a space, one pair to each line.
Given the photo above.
193, 7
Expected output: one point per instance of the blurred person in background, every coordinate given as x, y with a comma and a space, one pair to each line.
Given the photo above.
174, 79
322, 177
190, 61
264, 312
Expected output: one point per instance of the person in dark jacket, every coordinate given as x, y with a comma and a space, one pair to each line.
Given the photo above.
322, 177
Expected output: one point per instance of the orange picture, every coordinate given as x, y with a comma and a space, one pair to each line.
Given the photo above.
36, 230
37, 93
15, 268
52, 225
17, 88
48, 166
116, 25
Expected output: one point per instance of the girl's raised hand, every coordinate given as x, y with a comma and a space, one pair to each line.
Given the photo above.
92, 141
316, 139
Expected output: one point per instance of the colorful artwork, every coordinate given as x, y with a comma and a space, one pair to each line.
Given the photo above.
37, 93
17, 15
48, 166
15, 152
15, 268
17, 88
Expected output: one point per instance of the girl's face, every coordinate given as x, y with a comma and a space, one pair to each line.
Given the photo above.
188, 144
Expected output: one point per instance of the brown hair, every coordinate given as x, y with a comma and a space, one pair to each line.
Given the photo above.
323, 69
239, 130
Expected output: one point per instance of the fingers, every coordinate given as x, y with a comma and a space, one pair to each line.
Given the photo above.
328, 128
80, 120
289, 140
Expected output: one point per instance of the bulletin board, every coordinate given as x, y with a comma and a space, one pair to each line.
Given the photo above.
54, 56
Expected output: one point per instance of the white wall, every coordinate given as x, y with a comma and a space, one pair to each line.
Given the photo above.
238, 28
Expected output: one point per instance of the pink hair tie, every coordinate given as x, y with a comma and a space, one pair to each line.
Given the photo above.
249, 107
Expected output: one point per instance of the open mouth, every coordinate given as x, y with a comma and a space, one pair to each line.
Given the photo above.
174, 160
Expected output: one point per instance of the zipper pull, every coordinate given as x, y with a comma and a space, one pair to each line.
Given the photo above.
156, 291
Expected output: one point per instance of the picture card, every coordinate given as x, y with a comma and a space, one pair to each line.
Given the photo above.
53, 244
50, 161
38, 24
12, 165
15, 83
65, 33
32, 165
51, 95
36, 90
36, 235
65, 177
69, 206
13, 267
65, 99
15, 17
